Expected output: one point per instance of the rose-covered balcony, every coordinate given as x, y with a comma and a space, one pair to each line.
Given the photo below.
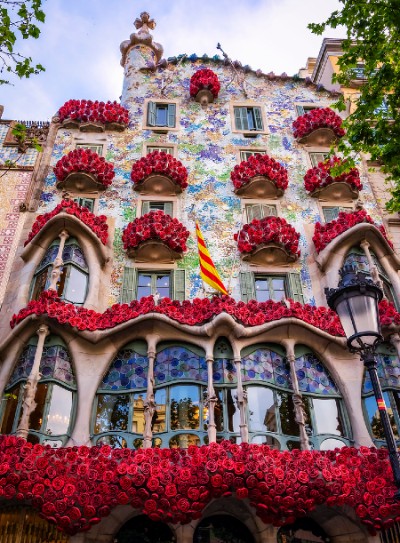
321, 126
259, 177
321, 183
82, 170
204, 86
269, 241
155, 237
159, 173
93, 116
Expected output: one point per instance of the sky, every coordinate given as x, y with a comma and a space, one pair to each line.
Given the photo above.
79, 43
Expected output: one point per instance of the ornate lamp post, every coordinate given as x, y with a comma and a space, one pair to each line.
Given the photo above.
356, 303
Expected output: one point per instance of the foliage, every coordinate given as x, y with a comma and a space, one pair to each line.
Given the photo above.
372, 38
18, 19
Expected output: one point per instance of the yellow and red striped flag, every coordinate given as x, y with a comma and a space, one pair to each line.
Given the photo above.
208, 271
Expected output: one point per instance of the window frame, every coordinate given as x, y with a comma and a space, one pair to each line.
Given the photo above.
129, 283
148, 104
248, 205
313, 162
302, 108
250, 150
249, 133
150, 147
333, 205
91, 146
293, 284
170, 202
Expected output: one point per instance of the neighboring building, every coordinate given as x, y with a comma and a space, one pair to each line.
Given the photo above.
110, 360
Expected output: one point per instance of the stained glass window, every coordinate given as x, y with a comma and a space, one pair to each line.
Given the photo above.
313, 377
179, 363
267, 366
127, 372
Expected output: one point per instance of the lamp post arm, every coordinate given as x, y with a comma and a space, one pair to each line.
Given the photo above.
369, 360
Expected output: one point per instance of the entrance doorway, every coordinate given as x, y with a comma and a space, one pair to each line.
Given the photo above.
141, 529
222, 529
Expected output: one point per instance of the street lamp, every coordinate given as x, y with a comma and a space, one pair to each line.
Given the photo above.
356, 303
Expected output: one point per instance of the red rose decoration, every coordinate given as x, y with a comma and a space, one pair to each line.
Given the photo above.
93, 111
260, 165
87, 161
159, 163
204, 79
318, 118
320, 176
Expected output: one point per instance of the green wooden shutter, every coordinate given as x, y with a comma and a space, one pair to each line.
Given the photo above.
145, 208
151, 113
295, 289
300, 110
171, 115
258, 118
247, 290
243, 116
238, 118
128, 289
179, 283
168, 208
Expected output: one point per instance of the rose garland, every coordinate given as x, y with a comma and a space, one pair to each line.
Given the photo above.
268, 230
162, 163
318, 118
75, 487
191, 313
89, 111
325, 233
320, 176
156, 225
204, 79
85, 160
98, 224
259, 165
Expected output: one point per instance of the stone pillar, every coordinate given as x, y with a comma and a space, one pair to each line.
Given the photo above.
30, 387
395, 341
297, 398
241, 403
372, 268
58, 261
149, 403
210, 402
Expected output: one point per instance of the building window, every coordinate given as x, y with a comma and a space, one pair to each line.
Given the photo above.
245, 154
248, 118
302, 109
161, 114
389, 376
155, 205
86, 202
139, 283
316, 158
160, 149
94, 147
259, 211
264, 287
331, 213
73, 282
271, 414
55, 393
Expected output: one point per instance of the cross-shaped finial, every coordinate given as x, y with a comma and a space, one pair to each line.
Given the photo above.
144, 23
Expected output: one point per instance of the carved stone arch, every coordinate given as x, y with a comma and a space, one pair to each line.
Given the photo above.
96, 254
340, 524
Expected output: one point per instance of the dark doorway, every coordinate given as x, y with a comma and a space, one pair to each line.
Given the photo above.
222, 529
144, 530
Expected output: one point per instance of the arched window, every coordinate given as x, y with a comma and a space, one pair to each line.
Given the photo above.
50, 422
389, 376
358, 259
180, 379
119, 405
20, 524
271, 413
73, 282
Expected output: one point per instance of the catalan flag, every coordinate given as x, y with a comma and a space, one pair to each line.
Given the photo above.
208, 271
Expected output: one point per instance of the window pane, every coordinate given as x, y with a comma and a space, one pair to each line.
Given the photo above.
262, 289
218, 412
327, 416
262, 413
158, 422
162, 285
10, 403
185, 407
277, 288
75, 291
286, 413
374, 418
40, 284
138, 414
161, 115
233, 411
183, 441
250, 118
116, 442
60, 411
112, 412
156, 205
144, 285
36, 419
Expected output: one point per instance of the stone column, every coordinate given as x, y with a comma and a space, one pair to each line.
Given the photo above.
372, 268
241, 403
297, 398
149, 403
58, 261
210, 402
395, 341
30, 387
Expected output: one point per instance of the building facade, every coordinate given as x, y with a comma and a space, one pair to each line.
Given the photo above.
139, 405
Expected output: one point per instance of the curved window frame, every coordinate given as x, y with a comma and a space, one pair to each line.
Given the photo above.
287, 441
42, 277
15, 392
